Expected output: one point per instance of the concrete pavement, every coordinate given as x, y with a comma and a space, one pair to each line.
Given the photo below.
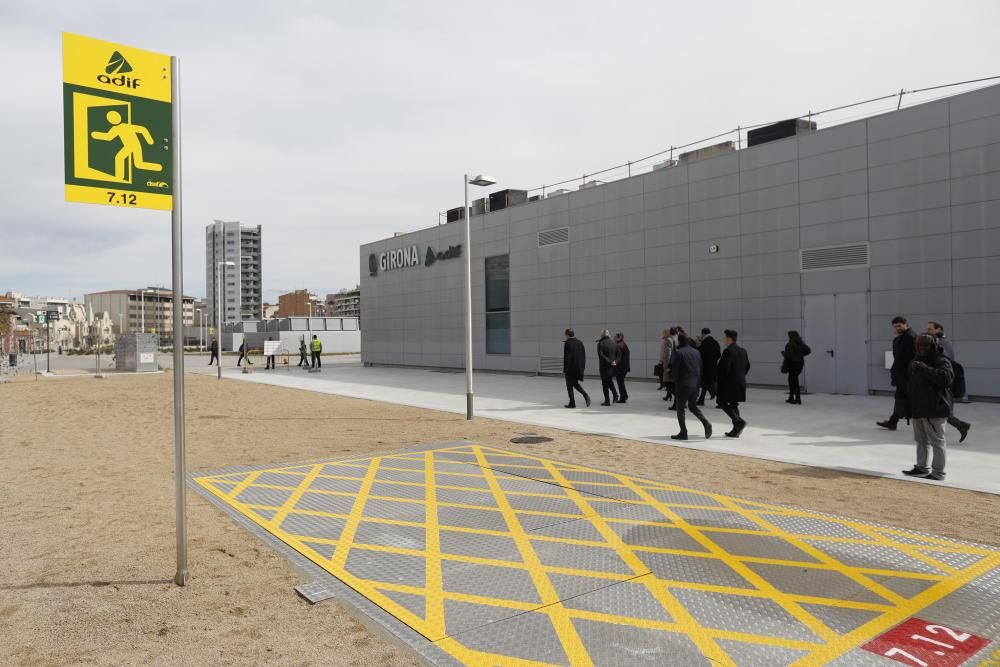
827, 431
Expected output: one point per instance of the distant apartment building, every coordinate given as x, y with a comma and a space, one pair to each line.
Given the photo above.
241, 290
345, 303
300, 303
135, 311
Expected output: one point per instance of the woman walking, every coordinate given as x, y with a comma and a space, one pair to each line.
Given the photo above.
666, 352
795, 354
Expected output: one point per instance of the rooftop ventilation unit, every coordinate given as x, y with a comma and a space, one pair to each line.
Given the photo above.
478, 207
707, 152
454, 214
556, 193
666, 164
780, 130
590, 184
506, 198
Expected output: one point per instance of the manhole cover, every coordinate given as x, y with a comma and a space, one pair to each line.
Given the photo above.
530, 439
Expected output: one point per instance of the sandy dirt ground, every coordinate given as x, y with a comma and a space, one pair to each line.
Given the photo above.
87, 525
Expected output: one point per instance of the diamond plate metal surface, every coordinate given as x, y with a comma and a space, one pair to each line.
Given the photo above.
478, 555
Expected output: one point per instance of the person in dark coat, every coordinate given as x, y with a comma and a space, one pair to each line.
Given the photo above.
710, 353
574, 363
685, 366
214, 348
303, 353
667, 347
794, 362
947, 349
733, 368
930, 377
244, 354
903, 351
623, 367
607, 357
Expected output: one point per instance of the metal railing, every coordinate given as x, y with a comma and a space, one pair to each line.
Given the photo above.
738, 136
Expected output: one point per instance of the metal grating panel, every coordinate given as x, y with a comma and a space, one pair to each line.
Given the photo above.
553, 573
553, 236
550, 364
835, 257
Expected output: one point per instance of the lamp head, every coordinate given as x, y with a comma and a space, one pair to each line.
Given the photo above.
482, 179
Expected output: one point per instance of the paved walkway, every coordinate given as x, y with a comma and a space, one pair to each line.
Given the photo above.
827, 431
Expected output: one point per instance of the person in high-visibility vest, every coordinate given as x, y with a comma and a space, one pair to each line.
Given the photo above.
317, 347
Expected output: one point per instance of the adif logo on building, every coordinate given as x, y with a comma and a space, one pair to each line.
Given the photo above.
451, 253
395, 259
117, 64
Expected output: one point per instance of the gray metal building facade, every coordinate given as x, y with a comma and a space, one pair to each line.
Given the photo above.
831, 233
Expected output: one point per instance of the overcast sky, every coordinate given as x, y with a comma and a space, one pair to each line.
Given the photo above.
337, 123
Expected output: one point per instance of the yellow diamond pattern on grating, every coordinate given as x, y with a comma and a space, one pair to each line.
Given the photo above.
759, 519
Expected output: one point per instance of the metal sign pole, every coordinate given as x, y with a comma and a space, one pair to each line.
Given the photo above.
180, 465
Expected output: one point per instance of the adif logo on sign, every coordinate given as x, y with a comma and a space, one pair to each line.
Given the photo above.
398, 259
118, 65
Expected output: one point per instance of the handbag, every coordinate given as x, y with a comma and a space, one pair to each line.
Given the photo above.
784, 366
658, 370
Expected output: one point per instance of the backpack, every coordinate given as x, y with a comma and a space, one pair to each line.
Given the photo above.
958, 384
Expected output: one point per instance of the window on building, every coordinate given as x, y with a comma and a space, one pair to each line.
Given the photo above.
498, 304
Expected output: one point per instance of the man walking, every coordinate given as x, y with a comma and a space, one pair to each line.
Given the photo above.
303, 353
709, 350
733, 368
574, 363
686, 369
937, 330
903, 350
214, 348
317, 348
930, 381
623, 368
607, 357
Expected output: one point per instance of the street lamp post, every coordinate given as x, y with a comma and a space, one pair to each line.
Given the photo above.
481, 180
201, 347
218, 312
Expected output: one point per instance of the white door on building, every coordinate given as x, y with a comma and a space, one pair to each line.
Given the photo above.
836, 328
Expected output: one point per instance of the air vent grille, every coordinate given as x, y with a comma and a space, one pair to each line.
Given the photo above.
835, 257
550, 365
553, 236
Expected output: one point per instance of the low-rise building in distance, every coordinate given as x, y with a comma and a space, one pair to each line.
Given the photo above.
299, 303
149, 310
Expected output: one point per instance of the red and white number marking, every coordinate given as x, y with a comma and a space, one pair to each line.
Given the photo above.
921, 644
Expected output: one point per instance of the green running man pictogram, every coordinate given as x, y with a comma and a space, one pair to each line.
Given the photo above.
131, 148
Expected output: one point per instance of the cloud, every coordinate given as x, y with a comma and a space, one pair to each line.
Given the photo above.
336, 123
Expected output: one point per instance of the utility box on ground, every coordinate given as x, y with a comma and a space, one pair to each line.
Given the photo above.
136, 352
